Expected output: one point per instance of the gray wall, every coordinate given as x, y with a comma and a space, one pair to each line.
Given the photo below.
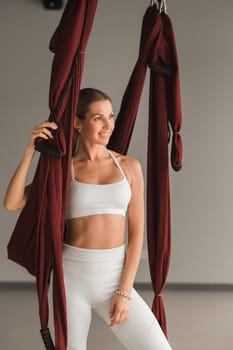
202, 193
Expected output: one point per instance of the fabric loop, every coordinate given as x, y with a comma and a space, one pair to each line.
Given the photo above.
176, 151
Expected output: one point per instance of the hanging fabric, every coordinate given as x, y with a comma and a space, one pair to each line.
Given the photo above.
158, 51
36, 242
125, 121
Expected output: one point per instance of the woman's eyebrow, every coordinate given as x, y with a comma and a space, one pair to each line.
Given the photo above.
102, 115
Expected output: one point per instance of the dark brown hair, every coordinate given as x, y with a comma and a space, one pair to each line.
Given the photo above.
86, 97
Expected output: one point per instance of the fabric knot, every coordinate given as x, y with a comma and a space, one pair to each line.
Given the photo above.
176, 151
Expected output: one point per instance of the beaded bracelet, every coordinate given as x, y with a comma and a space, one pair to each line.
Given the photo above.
118, 292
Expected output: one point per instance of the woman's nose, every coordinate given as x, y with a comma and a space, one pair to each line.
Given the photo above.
107, 124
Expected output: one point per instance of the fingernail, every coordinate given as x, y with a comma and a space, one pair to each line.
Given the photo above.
55, 125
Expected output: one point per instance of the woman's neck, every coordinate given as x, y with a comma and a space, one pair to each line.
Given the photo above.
91, 153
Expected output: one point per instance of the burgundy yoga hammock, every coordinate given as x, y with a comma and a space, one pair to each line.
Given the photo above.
36, 242
158, 51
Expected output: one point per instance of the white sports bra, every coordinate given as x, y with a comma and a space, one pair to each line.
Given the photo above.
92, 199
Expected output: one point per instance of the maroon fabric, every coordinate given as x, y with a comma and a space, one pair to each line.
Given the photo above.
158, 207
164, 106
125, 121
36, 242
158, 51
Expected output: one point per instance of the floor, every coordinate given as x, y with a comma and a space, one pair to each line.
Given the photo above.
197, 320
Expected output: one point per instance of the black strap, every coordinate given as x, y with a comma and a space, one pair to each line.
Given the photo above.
47, 339
163, 69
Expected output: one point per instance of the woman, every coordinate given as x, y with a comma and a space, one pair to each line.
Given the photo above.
99, 271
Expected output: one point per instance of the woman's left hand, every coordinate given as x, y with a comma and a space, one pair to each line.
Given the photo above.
119, 309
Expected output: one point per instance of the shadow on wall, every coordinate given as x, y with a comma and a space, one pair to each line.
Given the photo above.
48, 4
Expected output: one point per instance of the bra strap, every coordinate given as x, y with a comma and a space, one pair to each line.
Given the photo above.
72, 169
117, 164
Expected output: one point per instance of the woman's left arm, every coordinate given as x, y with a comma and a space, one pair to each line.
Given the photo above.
121, 305
135, 228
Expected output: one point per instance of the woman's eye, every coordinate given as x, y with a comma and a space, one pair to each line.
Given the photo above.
98, 117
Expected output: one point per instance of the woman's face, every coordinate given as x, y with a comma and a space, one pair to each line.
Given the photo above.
98, 124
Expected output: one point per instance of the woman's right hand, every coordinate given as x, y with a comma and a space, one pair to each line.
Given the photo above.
17, 191
42, 130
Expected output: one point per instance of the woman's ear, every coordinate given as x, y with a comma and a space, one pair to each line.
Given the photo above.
76, 122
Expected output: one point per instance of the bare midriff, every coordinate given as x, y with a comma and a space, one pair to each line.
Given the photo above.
102, 231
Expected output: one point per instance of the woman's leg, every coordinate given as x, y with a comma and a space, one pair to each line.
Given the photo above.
78, 310
141, 331
90, 275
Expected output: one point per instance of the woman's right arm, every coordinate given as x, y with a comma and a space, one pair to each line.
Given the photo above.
17, 191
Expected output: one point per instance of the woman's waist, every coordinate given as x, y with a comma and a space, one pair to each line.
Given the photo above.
74, 253
95, 234
94, 240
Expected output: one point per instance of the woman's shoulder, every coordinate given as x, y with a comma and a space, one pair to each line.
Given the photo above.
130, 164
127, 159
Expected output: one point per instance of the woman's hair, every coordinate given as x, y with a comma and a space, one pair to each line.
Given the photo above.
86, 97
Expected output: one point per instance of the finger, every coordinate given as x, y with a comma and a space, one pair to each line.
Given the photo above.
111, 313
47, 124
113, 322
53, 125
111, 316
116, 319
47, 132
40, 134
43, 131
122, 318
112, 309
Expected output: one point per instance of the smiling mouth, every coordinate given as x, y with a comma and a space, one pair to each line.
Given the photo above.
105, 134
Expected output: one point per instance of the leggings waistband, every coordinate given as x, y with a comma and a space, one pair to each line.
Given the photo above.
92, 255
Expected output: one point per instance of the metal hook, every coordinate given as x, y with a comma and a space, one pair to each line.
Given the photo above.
154, 2
165, 6
160, 4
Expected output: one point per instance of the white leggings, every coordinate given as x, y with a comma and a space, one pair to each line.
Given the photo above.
91, 277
